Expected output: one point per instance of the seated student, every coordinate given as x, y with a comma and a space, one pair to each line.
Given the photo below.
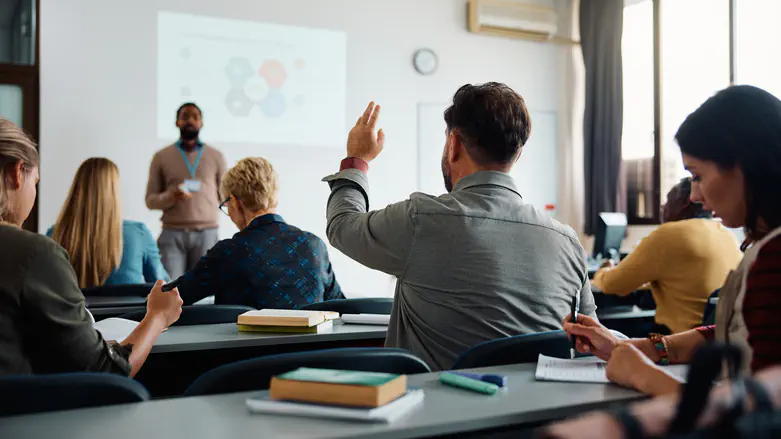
44, 326
686, 259
732, 147
475, 264
104, 249
268, 263
654, 416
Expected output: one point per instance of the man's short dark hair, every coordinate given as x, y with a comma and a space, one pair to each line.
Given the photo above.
185, 105
492, 120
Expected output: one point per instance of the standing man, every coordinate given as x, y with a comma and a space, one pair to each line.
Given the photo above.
184, 182
474, 264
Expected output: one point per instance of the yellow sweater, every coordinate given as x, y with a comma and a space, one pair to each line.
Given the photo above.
684, 261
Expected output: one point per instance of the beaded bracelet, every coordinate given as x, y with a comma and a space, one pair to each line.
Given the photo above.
660, 344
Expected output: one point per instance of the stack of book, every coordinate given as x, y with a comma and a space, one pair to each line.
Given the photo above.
366, 396
287, 320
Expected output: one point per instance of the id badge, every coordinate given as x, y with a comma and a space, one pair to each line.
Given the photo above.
192, 185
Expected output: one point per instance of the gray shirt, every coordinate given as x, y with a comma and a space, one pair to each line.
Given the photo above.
474, 265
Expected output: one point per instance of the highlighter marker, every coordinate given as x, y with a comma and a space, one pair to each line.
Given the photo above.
463, 382
499, 380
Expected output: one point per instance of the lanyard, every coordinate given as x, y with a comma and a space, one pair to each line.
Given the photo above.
192, 167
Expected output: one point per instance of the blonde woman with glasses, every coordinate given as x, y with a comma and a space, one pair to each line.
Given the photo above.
44, 325
268, 263
104, 249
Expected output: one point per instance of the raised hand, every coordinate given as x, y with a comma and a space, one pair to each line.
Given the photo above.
362, 142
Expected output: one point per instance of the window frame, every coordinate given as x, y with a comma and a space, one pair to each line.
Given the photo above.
655, 218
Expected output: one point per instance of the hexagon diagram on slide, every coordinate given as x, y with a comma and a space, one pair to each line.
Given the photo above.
246, 92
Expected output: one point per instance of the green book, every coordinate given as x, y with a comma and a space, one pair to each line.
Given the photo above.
345, 377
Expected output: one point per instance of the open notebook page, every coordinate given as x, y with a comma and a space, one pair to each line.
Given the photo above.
586, 370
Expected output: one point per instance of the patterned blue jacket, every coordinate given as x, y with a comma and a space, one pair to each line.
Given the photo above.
269, 264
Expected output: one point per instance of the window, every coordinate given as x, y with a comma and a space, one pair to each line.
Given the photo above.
758, 44
695, 65
676, 54
637, 140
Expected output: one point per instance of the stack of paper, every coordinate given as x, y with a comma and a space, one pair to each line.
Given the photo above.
387, 413
115, 328
585, 370
286, 320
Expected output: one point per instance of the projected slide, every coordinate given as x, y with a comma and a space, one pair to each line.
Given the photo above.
256, 82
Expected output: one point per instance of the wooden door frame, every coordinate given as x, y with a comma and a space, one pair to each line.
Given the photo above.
28, 78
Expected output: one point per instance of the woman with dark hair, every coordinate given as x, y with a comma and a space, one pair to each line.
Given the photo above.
732, 147
684, 261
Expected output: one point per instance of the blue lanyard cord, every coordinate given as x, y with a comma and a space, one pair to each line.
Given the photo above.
192, 167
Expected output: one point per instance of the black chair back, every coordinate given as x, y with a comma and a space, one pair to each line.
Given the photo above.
200, 314
256, 374
367, 305
23, 394
138, 290
513, 350
709, 315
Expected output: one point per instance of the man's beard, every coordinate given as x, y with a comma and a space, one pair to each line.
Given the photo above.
188, 133
446, 176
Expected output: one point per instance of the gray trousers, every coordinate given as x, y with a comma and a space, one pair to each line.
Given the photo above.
180, 250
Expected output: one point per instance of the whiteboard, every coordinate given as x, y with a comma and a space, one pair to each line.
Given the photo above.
535, 173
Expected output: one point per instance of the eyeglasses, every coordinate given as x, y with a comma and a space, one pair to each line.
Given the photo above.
224, 205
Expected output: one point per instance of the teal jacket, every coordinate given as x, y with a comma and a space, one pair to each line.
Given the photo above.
140, 256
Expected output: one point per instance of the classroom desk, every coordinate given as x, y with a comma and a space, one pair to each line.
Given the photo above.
183, 353
629, 320
446, 412
103, 307
227, 336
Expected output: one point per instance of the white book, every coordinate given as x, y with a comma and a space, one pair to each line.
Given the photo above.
367, 319
115, 328
586, 370
385, 414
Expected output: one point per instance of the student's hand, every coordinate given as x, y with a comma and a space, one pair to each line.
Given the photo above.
591, 336
629, 367
598, 425
180, 195
362, 142
165, 305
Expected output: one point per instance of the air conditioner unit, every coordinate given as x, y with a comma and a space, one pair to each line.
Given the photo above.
512, 19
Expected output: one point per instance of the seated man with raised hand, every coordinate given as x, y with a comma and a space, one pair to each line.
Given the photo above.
474, 264
685, 260
268, 263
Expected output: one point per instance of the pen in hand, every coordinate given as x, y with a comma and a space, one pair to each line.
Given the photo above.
574, 319
171, 285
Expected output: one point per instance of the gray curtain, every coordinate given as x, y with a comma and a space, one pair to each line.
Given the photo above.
601, 26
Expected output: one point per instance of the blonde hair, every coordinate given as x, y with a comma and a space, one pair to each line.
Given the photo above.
254, 182
15, 146
90, 224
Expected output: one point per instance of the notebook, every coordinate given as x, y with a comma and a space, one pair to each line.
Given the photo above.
586, 370
367, 319
387, 413
115, 328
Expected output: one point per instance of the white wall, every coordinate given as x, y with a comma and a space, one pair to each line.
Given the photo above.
98, 95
